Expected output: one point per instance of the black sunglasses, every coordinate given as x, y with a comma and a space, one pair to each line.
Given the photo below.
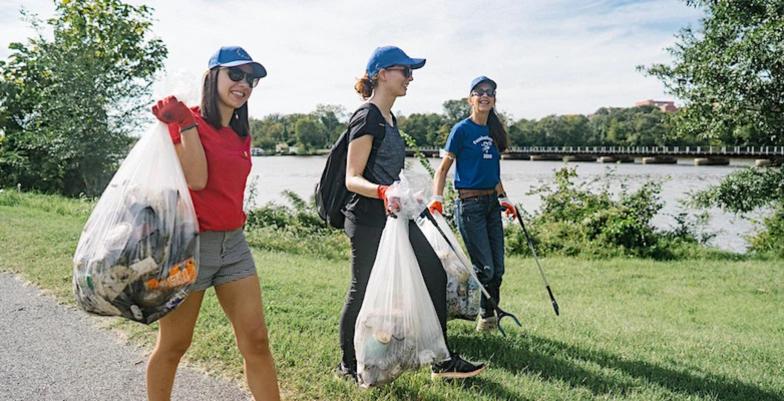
406, 70
236, 74
480, 92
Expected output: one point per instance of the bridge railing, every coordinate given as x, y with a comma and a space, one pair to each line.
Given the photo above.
654, 150
729, 151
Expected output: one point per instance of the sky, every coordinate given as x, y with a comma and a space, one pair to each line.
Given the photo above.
547, 56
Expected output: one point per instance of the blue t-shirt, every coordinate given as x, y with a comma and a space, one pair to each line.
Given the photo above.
477, 157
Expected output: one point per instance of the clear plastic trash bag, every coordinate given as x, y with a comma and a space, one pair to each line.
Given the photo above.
408, 195
462, 291
138, 253
397, 328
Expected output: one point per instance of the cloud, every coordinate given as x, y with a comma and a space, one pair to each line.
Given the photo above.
12, 28
549, 57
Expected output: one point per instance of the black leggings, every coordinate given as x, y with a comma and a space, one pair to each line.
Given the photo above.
364, 246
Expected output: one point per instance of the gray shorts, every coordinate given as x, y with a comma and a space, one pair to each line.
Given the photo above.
224, 256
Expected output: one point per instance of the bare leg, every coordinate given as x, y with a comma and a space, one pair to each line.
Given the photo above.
175, 332
241, 300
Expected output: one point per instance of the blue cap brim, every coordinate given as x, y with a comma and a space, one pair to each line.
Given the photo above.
258, 69
416, 63
413, 63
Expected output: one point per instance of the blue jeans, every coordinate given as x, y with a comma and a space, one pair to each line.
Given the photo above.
479, 222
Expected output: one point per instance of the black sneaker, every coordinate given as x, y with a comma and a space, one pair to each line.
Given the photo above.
456, 368
345, 372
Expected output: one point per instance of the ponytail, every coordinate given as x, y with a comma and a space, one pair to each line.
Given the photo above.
365, 86
497, 131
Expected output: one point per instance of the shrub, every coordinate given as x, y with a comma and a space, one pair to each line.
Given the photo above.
296, 228
748, 190
586, 219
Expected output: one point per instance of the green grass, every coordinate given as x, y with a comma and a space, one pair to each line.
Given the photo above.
629, 329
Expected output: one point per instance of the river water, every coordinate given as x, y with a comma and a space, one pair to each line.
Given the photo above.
299, 174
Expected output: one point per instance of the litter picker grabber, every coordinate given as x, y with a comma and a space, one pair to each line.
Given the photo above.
539, 265
500, 312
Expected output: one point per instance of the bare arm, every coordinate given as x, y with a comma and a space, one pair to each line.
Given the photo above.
439, 179
192, 159
358, 154
499, 189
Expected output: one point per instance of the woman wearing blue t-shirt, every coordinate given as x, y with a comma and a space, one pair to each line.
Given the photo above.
476, 144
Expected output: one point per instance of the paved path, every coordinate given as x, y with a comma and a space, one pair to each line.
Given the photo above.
52, 352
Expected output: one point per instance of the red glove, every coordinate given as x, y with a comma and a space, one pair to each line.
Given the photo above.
508, 206
391, 206
172, 111
436, 204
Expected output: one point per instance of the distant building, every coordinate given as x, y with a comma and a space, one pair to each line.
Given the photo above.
666, 106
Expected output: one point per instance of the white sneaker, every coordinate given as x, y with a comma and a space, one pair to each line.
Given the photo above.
487, 323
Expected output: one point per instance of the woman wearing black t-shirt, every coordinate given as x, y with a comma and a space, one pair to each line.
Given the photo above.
376, 155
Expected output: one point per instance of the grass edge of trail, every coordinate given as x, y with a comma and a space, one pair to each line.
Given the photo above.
570, 357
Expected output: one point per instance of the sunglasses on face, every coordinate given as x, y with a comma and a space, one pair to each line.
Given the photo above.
405, 70
480, 92
236, 74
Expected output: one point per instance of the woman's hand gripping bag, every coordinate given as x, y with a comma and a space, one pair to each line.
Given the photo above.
137, 256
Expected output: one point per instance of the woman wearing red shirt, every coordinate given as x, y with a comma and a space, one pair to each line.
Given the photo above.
213, 145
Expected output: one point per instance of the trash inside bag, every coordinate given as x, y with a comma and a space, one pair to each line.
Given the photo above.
462, 291
397, 328
138, 253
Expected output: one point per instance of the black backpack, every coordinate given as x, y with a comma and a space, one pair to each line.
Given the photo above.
331, 192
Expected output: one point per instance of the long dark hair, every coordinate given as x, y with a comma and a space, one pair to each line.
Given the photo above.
209, 106
497, 131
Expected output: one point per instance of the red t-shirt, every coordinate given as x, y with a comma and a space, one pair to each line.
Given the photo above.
219, 204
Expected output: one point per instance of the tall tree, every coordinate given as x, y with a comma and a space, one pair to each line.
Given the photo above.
455, 110
268, 131
334, 118
310, 132
423, 127
730, 73
70, 100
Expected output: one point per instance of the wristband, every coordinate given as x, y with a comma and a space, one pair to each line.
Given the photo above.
439, 198
187, 127
381, 191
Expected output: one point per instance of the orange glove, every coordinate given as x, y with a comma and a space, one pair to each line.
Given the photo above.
391, 206
436, 204
508, 206
172, 111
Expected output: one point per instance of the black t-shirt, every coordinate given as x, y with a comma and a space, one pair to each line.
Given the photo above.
384, 163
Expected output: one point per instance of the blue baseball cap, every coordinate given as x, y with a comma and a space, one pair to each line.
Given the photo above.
388, 56
230, 56
480, 79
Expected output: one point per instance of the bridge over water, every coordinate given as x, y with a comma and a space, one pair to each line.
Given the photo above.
702, 155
